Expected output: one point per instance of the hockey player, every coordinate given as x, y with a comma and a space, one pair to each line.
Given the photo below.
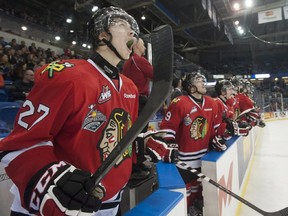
247, 110
228, 127
192, 120
72, 119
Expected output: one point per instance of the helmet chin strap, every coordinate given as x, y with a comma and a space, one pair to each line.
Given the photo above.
196, 91
109, 44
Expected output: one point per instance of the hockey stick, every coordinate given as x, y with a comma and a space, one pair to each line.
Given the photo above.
162, 60
243, 113
283, 212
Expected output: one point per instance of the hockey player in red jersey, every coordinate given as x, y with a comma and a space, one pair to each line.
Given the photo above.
248, 111
192, 120
228, 127
73, 118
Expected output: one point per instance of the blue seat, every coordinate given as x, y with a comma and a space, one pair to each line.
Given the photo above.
3, 95
8, 115
4, 130
9, 104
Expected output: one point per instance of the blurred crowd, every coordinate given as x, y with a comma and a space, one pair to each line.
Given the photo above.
18, 62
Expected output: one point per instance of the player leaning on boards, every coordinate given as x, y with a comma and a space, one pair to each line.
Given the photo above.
71, 121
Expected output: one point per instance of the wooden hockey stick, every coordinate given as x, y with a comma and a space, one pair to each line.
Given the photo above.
162, 49
283, 212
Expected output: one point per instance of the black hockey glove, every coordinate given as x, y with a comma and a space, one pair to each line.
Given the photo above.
242, 128
67, 191
218, 144
261, 123
157, 147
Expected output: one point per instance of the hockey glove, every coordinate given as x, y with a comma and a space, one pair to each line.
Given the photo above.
261, 123
218, 144
158, 148
67, 191
241, 128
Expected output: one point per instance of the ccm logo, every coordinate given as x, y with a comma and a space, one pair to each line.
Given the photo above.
129, 95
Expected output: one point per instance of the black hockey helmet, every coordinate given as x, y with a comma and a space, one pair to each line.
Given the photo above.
222, 86
237, 83
103, 18
189, 80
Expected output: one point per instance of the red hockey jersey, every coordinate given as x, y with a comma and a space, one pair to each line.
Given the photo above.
138, 69
74, 113
234, 103
245, 103
224, 108
192, 125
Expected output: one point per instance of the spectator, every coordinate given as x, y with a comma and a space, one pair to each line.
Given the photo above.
5, 67
23, 86
177, 88
17, 73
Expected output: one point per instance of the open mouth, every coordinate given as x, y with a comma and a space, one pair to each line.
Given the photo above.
130, 43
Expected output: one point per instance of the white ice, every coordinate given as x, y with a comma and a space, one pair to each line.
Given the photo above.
267, 185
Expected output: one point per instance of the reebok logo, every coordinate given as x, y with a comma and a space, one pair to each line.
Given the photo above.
129, 95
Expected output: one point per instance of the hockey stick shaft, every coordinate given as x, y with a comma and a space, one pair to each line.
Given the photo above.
182, 165
162, 47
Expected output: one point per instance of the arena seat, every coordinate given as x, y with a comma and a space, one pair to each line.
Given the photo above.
8, 112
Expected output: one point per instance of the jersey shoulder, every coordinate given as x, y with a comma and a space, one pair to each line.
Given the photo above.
64, 68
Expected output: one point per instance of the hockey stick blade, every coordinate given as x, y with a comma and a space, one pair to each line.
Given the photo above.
283, 212
162, 60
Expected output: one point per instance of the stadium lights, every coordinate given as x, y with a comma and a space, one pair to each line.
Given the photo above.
236, 6
94, 8
262, 76
218, 76
210, 83
24, 28
248, 3
69, 20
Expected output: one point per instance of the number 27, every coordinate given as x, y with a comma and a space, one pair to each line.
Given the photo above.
41, 109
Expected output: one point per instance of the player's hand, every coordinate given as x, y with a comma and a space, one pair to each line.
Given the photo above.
70, 191
241, 128
218, 144
158, 148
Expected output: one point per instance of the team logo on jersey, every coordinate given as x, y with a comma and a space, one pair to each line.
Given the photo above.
187, 120
175, 100
56, 67
118, 124
105, 95
199, 127
94, 119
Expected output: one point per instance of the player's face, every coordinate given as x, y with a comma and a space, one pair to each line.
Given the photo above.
229, 92
123, 37
200, 84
